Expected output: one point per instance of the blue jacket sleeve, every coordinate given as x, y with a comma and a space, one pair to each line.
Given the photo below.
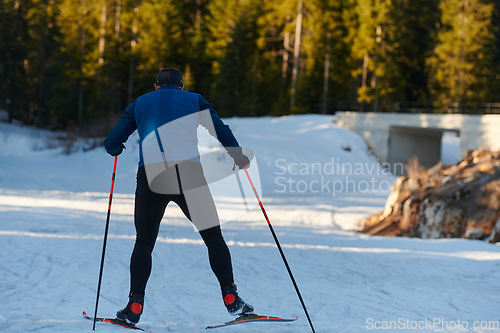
222, 131
122, 130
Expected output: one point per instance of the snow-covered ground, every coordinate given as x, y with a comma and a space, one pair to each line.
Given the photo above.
318, 180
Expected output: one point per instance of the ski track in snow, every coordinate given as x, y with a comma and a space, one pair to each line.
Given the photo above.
52, 216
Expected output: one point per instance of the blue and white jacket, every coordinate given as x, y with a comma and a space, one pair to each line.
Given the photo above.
168, 119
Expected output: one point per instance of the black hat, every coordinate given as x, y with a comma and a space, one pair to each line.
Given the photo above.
170, 75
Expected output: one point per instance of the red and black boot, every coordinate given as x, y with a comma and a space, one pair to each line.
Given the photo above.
133, 310
234, 304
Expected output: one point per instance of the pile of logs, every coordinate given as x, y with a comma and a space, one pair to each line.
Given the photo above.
459, 201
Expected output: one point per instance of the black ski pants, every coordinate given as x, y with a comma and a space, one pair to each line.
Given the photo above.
149, 210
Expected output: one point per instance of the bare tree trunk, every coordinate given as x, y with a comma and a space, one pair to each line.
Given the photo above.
198, 19
253, 103
133, 44
296, 53
102, 34
187, 76
115, 88
41, 77
461, 72
12, 101
374, 79
83, 38
286, 54
365, 70
373, 85
118, 23
326, 76
364, 75
80, 80
131, 79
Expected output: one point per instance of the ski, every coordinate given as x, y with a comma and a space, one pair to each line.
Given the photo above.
252, 318
116, 321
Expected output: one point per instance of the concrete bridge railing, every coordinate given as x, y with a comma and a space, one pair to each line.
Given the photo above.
396, 137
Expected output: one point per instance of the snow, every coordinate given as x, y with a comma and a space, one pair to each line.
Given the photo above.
450, 148
53, 211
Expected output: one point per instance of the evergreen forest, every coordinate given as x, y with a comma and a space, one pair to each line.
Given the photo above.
73, 63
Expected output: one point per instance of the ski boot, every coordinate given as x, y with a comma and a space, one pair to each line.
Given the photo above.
132, 312
234, 304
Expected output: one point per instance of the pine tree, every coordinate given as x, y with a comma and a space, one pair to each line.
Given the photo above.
233, 46
417, 36
276, 39
13, 52
326, 55
462, 59
374, 47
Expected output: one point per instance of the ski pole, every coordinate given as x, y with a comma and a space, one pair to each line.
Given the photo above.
242, 192
279, 248
104, 242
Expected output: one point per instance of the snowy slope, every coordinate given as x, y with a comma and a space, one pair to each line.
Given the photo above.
53, 211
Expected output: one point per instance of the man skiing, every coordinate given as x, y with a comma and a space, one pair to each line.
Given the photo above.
170, 170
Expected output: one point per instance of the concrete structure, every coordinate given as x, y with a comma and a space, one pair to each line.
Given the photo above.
395, 137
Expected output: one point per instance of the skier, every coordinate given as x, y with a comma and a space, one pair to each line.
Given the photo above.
182, 181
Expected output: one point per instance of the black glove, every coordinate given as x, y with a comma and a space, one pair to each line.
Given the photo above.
242, 162
119, 151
